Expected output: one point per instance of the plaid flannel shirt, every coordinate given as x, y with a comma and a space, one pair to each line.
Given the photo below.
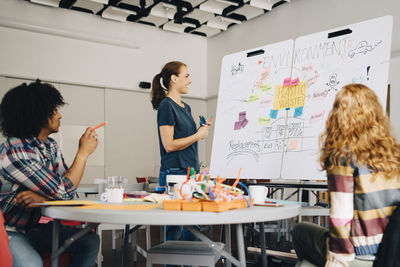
30, 164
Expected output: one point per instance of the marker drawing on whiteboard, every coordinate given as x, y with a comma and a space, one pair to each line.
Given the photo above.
333, 82
237, 69
363, 47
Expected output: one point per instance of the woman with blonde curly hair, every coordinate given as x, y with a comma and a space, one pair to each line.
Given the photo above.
362, 161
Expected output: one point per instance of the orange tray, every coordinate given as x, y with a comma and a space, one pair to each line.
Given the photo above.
194, 205
203, 205
173, 204
216, 206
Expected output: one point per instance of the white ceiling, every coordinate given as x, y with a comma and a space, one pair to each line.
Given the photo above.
202, 17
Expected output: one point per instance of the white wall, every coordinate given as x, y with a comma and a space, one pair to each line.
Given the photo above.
50, 57
113, 72
128, 144
297, 18
394, 78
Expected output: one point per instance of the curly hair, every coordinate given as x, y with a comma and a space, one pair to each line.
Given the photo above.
357, 127
26, 109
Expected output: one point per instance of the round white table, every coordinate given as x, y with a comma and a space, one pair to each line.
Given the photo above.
158, 216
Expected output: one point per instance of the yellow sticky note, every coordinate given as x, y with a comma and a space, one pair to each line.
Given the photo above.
290, 96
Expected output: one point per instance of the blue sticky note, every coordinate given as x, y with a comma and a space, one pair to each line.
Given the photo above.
287, 108
298, 112
273, 113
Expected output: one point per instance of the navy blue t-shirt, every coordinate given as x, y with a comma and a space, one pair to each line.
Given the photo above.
170, 113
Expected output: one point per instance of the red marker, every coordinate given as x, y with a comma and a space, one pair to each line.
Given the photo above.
98, 126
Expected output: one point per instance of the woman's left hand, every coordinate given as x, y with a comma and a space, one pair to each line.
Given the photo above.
209, 121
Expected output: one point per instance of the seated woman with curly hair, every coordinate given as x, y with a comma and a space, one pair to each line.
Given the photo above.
362, 161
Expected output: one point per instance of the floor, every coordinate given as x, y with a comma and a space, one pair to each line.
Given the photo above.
113, 258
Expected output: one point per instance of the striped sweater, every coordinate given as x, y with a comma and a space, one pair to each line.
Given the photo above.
361, 205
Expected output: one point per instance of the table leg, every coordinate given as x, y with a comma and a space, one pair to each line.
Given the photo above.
54, 248
240, 244
127, 232
125, 245
263, 248
228, 248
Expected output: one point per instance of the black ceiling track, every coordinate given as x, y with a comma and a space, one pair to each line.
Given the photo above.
182, 14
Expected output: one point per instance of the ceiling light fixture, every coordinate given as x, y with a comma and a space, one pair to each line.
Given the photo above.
265, 4
115, 13
174, 27
214, 7
188, 24
163, 10
221, 23
228, 2
53, 3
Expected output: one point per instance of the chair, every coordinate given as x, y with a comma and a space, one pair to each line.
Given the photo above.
354, 263
64, 260
194, 253
113, 227
316, 212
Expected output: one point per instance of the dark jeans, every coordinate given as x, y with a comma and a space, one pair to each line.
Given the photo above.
25, 248
309, 241
174, 232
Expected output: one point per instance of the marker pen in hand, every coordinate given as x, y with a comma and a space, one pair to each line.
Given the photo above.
98, 126
203, 121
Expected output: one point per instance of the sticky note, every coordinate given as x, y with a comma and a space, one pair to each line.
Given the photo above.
266, 87
293, 144
253, 98
244, 123
298, 112
273, 113
294, 82
290, 97
242, 115
238, 125
286, 82
264, 120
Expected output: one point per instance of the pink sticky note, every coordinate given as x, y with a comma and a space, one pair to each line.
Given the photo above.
237, 125
242, 115
286, 82
294, 82
293, 144
244, 123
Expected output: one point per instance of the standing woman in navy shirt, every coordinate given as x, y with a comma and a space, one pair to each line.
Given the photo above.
177, 131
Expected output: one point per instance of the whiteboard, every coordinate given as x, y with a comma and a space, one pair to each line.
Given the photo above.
281, 138
245, 134
326, 65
